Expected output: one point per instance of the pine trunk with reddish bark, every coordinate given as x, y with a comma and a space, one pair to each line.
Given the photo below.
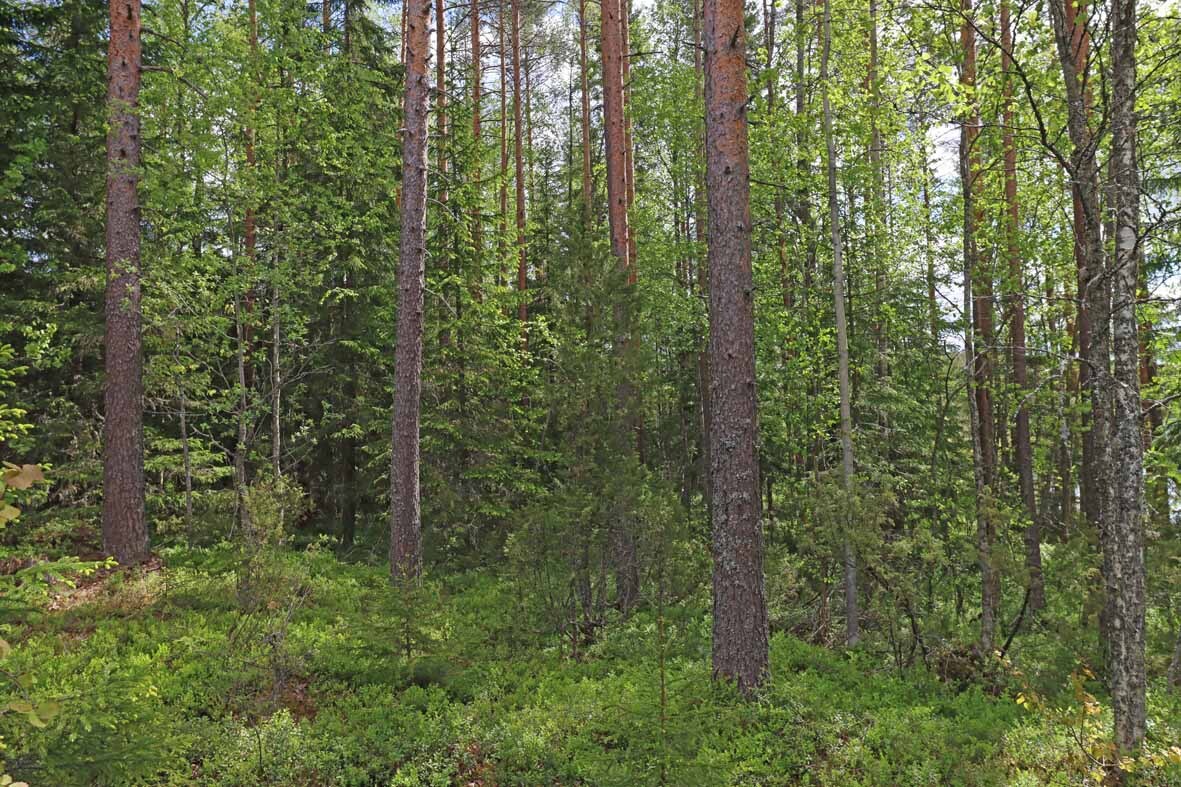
978, 337
740, 649
1022, 446
125, 533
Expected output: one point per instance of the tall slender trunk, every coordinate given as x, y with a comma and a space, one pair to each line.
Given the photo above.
186, 453
1073, 40
629, 150
1157, 491
849, 556
519, 164
276, 384
240, 446
125, 533
978, 329
402, 39
875, 219
740, 650
700, 223
770, 13
477, 80
441, 95
614, 130
1094, 289
251, 221
613, 53
929, 238
1123, 534
405, 513
502, 223
1022, 447
584, 77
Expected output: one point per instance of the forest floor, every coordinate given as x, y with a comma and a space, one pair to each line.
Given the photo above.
158, 677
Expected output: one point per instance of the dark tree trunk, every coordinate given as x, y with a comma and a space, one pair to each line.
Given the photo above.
477, 77
1094, 288
125, 533
405, 513
740, 650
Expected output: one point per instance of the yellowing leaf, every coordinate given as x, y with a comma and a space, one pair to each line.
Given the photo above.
24, 476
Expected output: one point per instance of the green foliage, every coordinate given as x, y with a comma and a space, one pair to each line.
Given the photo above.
155, 678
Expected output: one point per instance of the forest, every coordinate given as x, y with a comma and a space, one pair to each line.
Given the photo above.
599, 392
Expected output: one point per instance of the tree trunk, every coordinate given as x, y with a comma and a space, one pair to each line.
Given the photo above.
1123, 533
1094, 293
502, 222
125, 533
276, 385
1174, 674
477, 79
978, 328
240, 447
700, 223
584, 76
629, 150
1073, 41
405, 513
182, 407
875, 218
614, 130
616, 141
519, 165
441, 95
740, 650
849, 556
1022, 447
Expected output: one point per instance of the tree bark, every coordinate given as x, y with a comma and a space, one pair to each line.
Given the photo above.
441, 95
740, 650
477, 80
584, 76
1022, 446
978, 328
700, 224
502, 223
1073, 41
125, 533
613, 25
629, 150
276, 385
405, 512
1094, 290
849, 554
519, 165
186, 455
1123, 532
614, 130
